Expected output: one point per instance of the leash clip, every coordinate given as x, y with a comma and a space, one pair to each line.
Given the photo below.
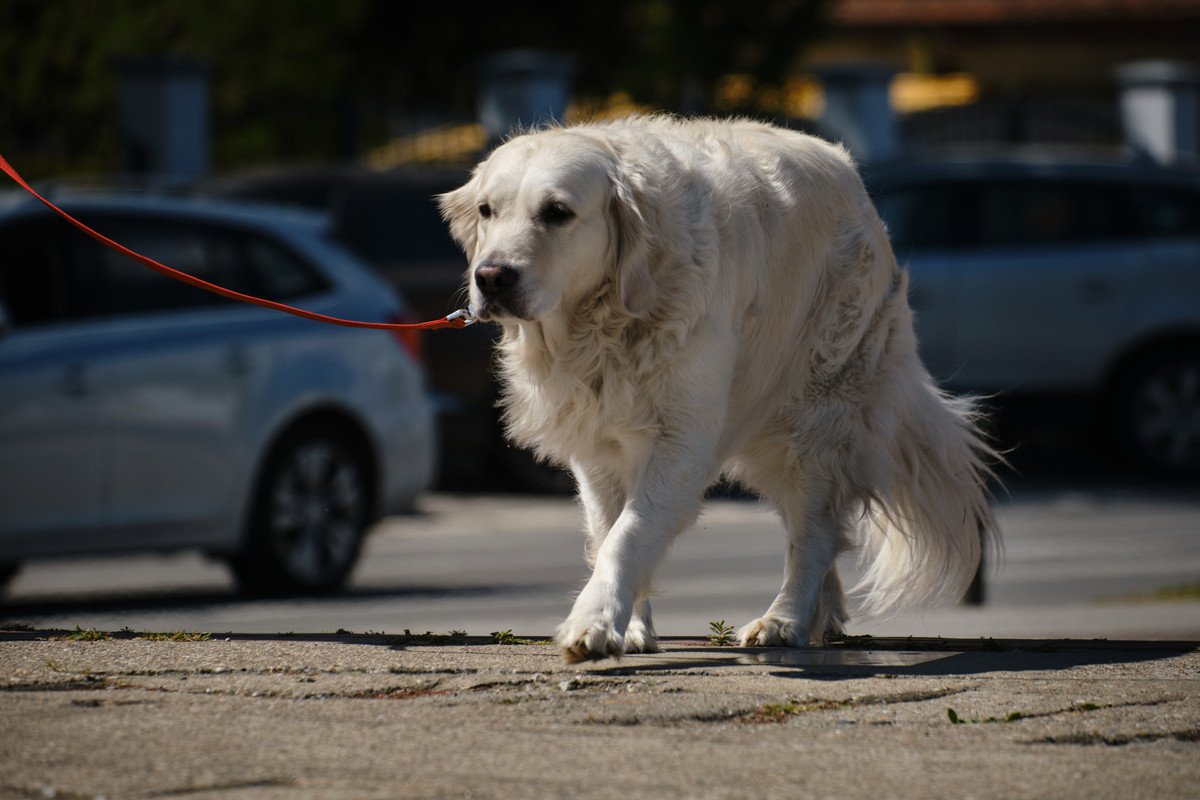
467, 315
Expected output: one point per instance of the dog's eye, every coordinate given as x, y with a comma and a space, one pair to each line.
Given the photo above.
485, 210
555, 213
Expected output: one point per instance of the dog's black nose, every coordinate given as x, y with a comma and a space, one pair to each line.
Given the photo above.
495, 279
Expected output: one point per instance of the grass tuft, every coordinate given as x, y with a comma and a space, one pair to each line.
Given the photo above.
955, 719
720, 634
81, 635
428, 637
507, 637
174, 636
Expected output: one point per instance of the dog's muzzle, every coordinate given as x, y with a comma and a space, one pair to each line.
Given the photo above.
499, 288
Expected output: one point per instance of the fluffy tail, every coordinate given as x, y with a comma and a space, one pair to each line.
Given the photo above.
927, 520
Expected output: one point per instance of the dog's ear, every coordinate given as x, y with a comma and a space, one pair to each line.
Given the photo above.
458, 209
635, 248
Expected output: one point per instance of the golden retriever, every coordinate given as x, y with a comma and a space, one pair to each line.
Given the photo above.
683, 300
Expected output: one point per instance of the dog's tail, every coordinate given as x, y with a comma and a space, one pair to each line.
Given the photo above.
927, 520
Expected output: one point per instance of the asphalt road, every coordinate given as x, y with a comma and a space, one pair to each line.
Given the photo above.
1074, 557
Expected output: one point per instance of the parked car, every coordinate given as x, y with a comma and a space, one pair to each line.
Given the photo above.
137, 413
391, 221
1038, 277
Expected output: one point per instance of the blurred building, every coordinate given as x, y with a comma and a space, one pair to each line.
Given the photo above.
891, 75
1010, 71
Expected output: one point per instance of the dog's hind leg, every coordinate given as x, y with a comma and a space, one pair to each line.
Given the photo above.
811, 604
831, 615
602, 498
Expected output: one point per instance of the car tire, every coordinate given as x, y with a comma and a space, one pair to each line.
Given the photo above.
1156, 411
310, 511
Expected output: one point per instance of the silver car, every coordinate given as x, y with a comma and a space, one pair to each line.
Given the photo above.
137, 413
1045, 278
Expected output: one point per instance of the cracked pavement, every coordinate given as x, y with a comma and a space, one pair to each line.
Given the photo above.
369, 716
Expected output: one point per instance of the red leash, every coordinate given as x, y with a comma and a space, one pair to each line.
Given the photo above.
459, 319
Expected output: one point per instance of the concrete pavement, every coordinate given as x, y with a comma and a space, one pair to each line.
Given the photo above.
356, 716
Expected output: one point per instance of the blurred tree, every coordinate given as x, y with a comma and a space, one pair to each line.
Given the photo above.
279, 68
684, 47
313, 79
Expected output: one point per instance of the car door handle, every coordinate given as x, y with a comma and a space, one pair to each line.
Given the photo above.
75, 382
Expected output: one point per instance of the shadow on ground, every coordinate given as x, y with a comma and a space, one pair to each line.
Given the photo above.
866, 657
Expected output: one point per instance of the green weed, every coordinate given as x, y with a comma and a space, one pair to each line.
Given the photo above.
955, 719
429, 637
720, 634
507, 637
80, 635
174, 636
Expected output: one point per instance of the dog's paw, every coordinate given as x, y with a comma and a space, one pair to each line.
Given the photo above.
595, 628
583, 642
640, 638
773, 632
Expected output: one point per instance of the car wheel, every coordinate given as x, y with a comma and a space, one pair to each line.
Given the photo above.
1158, 411
311, 509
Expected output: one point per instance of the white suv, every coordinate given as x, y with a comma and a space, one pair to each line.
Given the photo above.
137, 413
1037, 277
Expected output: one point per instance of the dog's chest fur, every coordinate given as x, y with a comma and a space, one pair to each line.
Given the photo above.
587, 395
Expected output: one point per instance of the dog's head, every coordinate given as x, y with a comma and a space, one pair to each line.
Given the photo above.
545, 221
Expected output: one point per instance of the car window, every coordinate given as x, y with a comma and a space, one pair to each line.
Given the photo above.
1043, 212
924, 216
229, 257
386, 225
1169, 212
277, 274
129, 287
51, 273
38, 283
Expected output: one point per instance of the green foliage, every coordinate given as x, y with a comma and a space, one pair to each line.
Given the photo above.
279, 69
428, 637
955, 719
698, 41
81, 635
175, 636
720, 634
310, 79
507, 637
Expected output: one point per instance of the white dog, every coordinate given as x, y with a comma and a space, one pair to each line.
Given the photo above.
682, 300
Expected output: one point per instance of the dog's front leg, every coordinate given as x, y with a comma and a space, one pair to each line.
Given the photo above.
664, 500
602, 495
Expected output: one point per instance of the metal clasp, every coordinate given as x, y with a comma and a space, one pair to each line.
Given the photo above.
467, 315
